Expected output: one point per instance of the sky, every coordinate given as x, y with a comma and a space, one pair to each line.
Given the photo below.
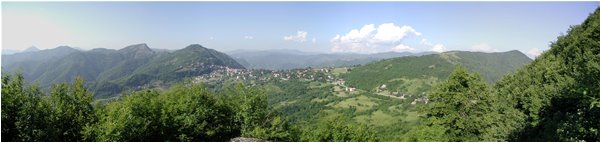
330, 27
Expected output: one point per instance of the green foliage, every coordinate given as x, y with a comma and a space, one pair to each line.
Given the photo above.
22, 116
337, 129
465, 108
134, 118
70, 110
426, 133
559, 90
28, 115
184, 113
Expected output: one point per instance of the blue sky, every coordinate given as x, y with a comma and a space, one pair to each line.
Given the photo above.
306, 26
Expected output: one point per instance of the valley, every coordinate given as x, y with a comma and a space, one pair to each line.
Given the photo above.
383, 95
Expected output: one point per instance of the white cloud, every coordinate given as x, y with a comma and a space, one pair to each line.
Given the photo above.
483, 47
388, 32
211, 38
314, 40
369, 39
434, 47
299, 37
402, 48
534, 52
248, 37
438, 48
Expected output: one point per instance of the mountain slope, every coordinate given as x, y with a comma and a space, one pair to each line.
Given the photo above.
33, 64
109, 71
559, 93
36, 56
416, 75
191, 61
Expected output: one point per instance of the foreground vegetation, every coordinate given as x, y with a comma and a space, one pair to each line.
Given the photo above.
182, 113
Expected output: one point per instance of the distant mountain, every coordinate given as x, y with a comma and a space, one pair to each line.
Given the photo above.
41, 55
28, 62
292, 59
9, 51
31, 49
160, 50
109, 71
417, 74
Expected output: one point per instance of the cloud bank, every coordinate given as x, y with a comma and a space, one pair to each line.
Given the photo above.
369, 39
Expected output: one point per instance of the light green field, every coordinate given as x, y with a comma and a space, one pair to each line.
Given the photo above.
319, 100
339, 91
383, 119
412, 86
338, 71
361, 103
317, 84
411, 116
378, 118
285, 103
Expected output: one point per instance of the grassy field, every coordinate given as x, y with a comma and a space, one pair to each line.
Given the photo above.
361, 103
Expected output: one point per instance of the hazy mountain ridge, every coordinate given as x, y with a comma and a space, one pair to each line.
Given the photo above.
293, 59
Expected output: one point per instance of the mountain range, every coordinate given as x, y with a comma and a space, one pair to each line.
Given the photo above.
109, 72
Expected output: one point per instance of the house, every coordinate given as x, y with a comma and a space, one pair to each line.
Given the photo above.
350, 89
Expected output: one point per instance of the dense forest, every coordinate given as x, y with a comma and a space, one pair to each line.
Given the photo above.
182, 113
556, 97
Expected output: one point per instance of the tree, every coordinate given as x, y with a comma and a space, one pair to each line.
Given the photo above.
132, 118
462, 107
255, 117
193, 113
70, 108
23, 114
182, 113
338, 129
28, 115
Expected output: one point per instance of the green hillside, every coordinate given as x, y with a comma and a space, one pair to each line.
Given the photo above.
558, 94
415, 75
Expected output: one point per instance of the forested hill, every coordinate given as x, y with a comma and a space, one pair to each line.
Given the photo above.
558, 94
416, 74
110, 71
554, 98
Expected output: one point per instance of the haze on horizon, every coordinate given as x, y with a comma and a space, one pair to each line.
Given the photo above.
332, 27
